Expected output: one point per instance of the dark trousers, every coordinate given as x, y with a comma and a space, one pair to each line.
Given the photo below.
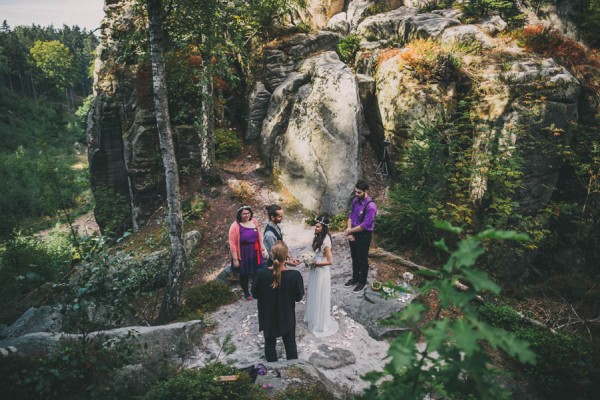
289, 342
359, 250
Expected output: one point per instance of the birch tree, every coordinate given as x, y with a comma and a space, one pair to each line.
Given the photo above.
176, 274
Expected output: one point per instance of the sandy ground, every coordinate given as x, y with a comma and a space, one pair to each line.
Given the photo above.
241, 321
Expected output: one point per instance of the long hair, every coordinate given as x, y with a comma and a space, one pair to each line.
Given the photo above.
280, 253
238, 216
320, 237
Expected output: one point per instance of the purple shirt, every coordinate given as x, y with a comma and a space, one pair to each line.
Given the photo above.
358, 207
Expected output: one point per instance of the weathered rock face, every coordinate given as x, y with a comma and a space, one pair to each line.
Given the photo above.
280, 60
311, 135
404, 101
532, 108
405, 24
124, 155
318, 12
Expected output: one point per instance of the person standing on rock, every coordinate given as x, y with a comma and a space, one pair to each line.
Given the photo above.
318, 305
361, 222
272, 230
248, 252
277, 290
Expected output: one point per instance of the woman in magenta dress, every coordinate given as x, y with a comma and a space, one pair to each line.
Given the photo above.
248, 252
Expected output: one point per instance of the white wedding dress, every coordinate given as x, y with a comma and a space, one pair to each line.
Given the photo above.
318, 303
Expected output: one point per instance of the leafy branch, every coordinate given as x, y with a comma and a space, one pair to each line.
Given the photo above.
453, 362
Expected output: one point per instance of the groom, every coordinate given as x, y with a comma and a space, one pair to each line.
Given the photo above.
361, 222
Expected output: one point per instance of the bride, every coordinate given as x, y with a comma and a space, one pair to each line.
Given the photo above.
318, 303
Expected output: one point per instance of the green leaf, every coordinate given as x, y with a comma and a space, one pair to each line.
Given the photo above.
468, 251
441, 244
480, 280
465, 337
447, 226
402, 353
504, 235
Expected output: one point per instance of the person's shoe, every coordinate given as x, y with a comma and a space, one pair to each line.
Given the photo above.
359, 288
249, 297
351, 282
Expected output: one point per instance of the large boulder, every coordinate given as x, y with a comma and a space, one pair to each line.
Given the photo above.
36, 319
311, 136
405, 24
386, 25
172, 342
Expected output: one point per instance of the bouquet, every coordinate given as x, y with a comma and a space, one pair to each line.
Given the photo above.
308, 259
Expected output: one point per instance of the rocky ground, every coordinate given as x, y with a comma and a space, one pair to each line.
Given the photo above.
343, 357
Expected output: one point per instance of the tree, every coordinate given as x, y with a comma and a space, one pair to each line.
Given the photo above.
172, 296
56, 62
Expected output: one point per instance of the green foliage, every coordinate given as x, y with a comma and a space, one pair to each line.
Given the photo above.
200, 384
35, 186
35, 124
72, 370
207, 297
414, 202
563, 359
227, 144
507, 9
108, 289
64, 57
348, 47
27, 262
587, 17
55, 60
194, 207
463, 368
339, 222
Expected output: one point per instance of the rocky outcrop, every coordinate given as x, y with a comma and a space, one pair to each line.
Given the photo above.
173, 341
318, 12
530, 110
126, 169
311, 135
405, 24
404, 101
281, 58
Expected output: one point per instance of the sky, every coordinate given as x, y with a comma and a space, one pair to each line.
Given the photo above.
84, 13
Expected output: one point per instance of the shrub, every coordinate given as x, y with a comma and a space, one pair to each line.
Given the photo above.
507, 9
35, 186
227, 144
73, 370
414, 202
26, 263
348, 47
584, 64
200, 384
194, 207
207, 297
463, 368
565, 367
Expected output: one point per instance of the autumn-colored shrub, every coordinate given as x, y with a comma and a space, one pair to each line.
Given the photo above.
584, 64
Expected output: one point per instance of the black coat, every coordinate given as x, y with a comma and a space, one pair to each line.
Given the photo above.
277, 307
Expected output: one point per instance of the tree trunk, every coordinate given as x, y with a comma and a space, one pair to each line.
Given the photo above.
172, 296
207, 130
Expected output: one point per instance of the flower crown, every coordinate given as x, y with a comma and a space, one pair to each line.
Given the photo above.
244, 207
322, 221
